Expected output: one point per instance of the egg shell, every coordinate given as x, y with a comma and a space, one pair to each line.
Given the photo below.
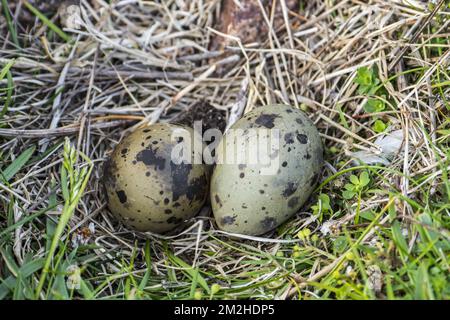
145, 189
246, 199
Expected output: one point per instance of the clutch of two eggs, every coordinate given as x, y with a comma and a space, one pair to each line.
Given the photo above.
148, 190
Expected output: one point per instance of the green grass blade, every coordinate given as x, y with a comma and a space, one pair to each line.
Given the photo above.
148, 262
27, 218
423, 290
17, 164
6, 286
10, 86
192, 273
398, 238
31, 267
47, 22
11, 26
6, 69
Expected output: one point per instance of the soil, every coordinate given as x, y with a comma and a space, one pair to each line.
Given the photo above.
211, 117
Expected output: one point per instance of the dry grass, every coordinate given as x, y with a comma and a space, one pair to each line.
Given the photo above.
138, 61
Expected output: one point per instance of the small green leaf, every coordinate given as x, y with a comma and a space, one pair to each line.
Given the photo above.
367, 215
364, 179
354, 180
374, 105
340, 244
364, 76
347, 194
324, 201
379, 126
392, 212
350, 187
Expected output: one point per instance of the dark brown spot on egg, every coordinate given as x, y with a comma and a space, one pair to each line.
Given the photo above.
290, 189
307, 156
124, 151
241, 175
266, 120
293, 202
289, 138
284, 164
268, 223
218, 201
147, 174
174, 220
150, 158
302, 138
227, 220
166, 200
167, 211
194, 190
122, 196
299, 121
261, 191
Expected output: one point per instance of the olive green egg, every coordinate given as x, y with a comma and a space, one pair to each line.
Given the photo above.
154, 179
268, 164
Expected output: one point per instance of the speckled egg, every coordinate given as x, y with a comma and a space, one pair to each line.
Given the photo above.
146, 189
253, 197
